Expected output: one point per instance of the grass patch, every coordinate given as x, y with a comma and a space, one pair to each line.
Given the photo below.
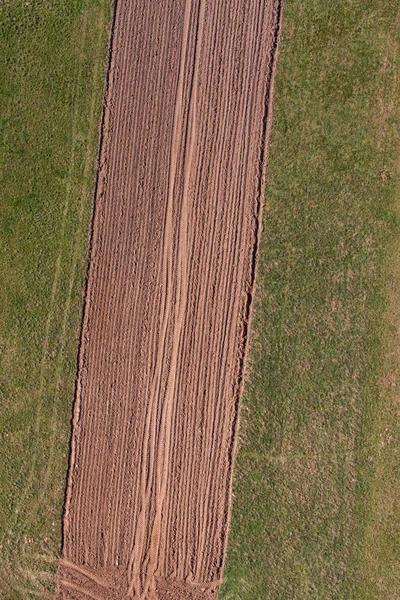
52, 69
317, 484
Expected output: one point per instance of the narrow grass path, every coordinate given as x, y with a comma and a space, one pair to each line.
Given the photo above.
52, 68
317, 484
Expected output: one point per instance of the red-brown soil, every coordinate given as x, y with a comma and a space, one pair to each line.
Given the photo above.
176, 224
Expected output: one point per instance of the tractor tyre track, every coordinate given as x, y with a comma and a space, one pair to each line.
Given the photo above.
174, 239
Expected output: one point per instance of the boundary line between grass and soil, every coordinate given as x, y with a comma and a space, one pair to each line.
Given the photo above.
263, 163
76, 404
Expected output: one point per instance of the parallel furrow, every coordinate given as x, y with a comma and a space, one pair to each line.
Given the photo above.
175, 229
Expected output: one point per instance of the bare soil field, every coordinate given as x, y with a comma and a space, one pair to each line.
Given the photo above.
174, 241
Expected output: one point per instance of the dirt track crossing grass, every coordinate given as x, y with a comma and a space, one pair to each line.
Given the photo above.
169, 288
52, 66
315, 510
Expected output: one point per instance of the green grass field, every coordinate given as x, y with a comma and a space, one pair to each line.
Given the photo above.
316, 508
52, 69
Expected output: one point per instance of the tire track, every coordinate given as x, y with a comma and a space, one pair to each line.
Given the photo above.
150, 445
173, 248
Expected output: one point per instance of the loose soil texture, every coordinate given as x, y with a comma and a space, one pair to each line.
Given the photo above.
175, 233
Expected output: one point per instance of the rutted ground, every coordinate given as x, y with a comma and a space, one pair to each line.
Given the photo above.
175, 232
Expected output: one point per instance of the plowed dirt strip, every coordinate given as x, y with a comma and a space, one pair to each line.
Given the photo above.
171, 274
